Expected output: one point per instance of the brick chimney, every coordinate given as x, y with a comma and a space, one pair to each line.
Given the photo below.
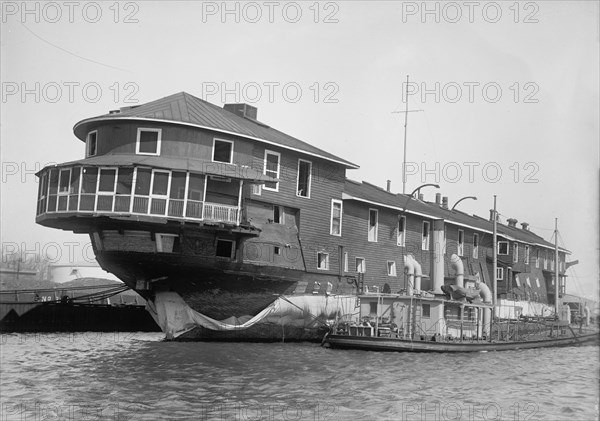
243, 110
389, 185
525, 226
512, 222
445, 202
421, 197
438, 198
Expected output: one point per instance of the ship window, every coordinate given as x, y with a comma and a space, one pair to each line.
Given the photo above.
222, 151
167, 243
336, 217
107, 180
124, 180
304, 178
323, 261
361, 265
373, 222
503, 248
271, 169
401, 237
391, 268
515, 252
92, 143
225, 248
526, 255
160, 183
461, 242
148, 141
426, 311
278, 214
373, 308
500, 274
196, 187
142, 182
425, 236
475, 246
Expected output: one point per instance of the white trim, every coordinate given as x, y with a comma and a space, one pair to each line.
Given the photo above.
333, 202
158, 140
309, 179
270, 152
183, 123
212, 156
374, 240
326, 260
498, 248
87, 146
364, 264
475, 245
403, 242
393, 267
425, 244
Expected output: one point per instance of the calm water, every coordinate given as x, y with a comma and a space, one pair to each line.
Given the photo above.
135, 376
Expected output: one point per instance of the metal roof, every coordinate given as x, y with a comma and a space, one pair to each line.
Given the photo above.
375, 195
186, 109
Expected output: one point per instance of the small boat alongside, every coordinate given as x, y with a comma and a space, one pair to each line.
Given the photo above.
424, 323
465, 317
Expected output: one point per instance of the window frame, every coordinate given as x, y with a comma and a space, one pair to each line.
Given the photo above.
138, 138
425, 239
500, 270
309, 184
319, 253
537, 258
87, 144
515, 253
401, 237
498, 248
364, 264
460, 248
527, 252
231, 142
277, 173
372, 240
333, 203
393, 271
346, 261
233, 248
475, 245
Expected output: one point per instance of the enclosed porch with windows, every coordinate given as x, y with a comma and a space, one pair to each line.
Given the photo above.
140, 190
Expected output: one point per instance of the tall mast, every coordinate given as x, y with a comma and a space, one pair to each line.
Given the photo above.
556, 279
405, 132
495, 259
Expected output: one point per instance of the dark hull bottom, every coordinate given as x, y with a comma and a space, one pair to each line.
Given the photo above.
401, 345
58, 317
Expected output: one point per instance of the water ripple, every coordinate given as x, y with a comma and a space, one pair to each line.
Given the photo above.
138, 376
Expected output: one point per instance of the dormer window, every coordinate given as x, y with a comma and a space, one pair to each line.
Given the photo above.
91, 143
148, 142
223, 151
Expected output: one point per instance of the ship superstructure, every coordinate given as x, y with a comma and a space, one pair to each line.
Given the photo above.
233, 230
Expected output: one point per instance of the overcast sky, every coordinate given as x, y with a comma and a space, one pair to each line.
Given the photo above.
509, 93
